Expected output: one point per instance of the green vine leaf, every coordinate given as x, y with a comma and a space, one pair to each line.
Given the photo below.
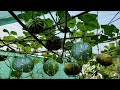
5, 30
24, 44
103, 38
112, 45
1, 42
26, 33
13, 33
81, 26
61, 15
109, 30
89, 21
71, 23
88, 17
27, 49
115, 29
26, 15
9, 38
92, 25
35, 45
48, 22
20, 37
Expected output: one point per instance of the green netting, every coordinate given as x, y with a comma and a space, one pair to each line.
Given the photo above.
38, 73
5, 21
6, 18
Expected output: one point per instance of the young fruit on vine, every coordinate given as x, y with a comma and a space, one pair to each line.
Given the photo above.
53, 43
81, 51
35, 25
23, 64
3, 58
50, 67
71, 68
104, 59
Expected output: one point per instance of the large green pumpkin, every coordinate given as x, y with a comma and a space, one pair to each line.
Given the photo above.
35, 25
81, 51
53, 43
50, 67
23, 64
104, 59
72, 68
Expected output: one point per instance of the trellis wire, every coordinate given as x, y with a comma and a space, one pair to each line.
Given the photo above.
66, 12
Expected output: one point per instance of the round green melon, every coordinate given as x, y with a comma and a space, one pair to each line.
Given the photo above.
81, 51
72, 68
50, 67
53, 43
23, 64
104, 59
35, 25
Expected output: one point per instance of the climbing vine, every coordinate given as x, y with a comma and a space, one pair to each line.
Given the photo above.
41, 37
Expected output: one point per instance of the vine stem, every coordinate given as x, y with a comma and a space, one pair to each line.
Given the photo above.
98, 39
8, 46
54, 20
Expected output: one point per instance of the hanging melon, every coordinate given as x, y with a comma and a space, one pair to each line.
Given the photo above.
81, 51
72, 68
53, 43
23, 64
35, 25
50, 67
104, 59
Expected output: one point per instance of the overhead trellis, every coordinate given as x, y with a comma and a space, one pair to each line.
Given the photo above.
57, 24
13, 53
40, 41
82, 30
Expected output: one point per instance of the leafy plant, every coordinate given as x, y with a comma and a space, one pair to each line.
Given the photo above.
74, 50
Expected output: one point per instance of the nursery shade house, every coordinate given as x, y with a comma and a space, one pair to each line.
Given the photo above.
59, 45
